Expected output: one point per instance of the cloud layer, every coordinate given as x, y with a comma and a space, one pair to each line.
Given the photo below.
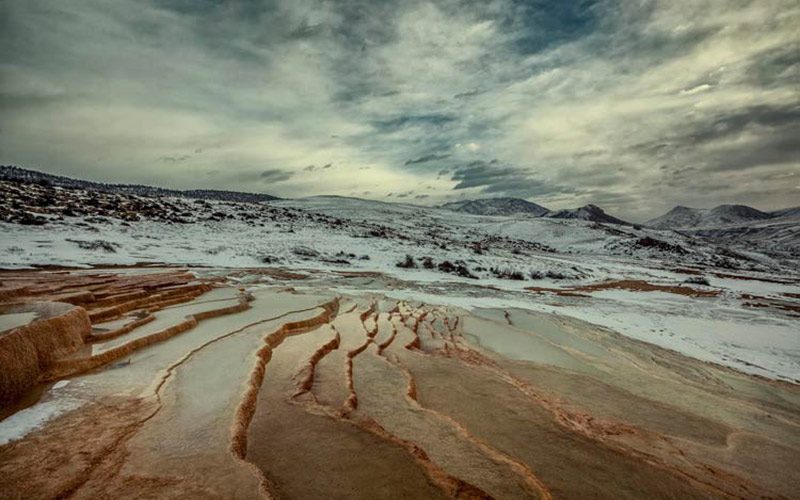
635, 106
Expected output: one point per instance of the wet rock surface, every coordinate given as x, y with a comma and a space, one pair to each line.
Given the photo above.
275, 392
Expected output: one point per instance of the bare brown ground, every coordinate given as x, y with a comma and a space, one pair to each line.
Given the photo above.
750, 300
786, 281
632, 285
278, 274
56, 461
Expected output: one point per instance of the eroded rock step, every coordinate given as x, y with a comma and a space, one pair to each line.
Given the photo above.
167, 406
307, 452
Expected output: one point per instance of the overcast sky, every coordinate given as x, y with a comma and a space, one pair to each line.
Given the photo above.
634, 105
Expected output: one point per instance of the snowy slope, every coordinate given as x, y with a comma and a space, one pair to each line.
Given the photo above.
481, 242
780, 235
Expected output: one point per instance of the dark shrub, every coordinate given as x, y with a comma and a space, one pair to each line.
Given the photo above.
507, 274
648, 242
697, 280
407, 263
458, 268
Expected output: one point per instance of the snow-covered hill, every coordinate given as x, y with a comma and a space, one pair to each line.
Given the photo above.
517, 207
678, 217
738, 226
779, 235
590, 212
496, 206
682, 217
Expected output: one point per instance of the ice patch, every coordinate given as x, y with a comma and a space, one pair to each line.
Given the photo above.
26, 421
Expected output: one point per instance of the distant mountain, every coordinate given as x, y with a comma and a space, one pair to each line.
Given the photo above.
786, 212
497, 206
23, 175
589, 212
679, 216
724, 215
776, 232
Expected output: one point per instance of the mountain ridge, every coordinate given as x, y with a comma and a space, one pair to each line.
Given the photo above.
496, 206
589, 212
18, 174
682, 217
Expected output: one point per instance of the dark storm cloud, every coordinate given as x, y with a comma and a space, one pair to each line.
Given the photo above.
776, 148
469, 93
495, 178
746, 138
735, 123
275, 175
424, 120
482, 173
427, 159
306, 30
775, 67
576, 100
312, 168
175, 159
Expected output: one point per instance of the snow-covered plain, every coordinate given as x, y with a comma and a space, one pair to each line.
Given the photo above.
327, 237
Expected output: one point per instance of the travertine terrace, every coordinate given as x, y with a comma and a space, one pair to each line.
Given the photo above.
163, 383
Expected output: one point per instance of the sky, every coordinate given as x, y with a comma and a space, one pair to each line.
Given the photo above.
633, 105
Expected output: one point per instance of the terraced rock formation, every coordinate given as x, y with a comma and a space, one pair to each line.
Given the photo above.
196, 389
66, 306
28, 350
476, 424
